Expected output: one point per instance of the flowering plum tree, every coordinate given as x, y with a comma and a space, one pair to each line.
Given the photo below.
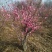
29, 16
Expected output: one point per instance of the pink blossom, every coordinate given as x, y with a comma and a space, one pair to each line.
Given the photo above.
46, 17
28, 15
9, 15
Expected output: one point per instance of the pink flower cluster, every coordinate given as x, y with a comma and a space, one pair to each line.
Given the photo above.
29, 17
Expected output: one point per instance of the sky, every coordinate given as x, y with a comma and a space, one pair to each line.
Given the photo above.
3, 2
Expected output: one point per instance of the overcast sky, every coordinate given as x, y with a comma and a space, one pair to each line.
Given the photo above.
3, 2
